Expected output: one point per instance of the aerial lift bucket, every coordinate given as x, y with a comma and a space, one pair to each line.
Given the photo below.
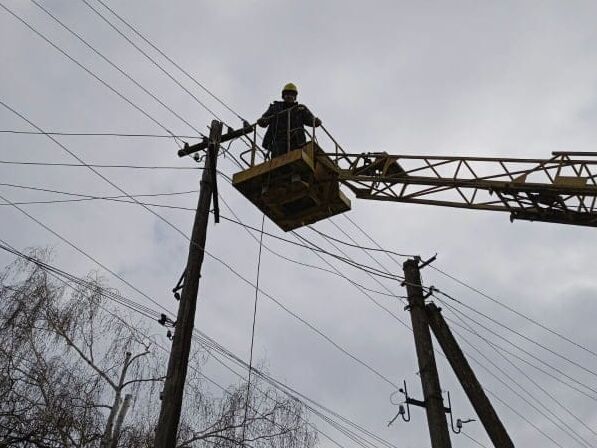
295, 189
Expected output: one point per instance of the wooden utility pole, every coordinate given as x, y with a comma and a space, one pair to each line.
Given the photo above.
475, 393
172, 394
434, 403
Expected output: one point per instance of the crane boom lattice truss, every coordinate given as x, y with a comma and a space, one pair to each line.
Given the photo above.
562, 189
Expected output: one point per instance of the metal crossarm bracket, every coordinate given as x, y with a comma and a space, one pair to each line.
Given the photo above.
425, 263
415, 402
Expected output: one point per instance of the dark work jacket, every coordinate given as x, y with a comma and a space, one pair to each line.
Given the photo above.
278, 117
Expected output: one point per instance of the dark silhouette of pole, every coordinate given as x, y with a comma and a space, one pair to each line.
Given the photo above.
172, 394
434, 403
475, 393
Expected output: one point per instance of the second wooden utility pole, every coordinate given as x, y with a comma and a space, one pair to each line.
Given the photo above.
172, 394
434, 403
474, 391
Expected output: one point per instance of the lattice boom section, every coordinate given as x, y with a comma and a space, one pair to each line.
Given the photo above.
560, 189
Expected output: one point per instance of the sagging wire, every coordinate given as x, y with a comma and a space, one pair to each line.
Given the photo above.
253, 327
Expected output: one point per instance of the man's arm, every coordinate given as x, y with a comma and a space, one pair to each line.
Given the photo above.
308, 118
267, 116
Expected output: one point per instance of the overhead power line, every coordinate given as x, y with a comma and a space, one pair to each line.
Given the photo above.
372, 249
168, 74
516, 312
118, 68
152, 45
86, 69
99, 134
161, 68
545, 411
81, 251
208, 342
121, 198
535, 357
364, 291
365, 268
483, 294
95, 76
319, 252
560, 373
98, 165
473, 439
113, 296
87, 196
519, 334
461, 316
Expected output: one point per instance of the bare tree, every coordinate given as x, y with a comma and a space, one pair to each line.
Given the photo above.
77, 372
69, 362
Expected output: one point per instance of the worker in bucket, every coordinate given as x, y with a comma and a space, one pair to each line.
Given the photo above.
285, 121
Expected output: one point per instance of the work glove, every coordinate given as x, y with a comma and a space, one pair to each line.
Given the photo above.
262, 122
316, 122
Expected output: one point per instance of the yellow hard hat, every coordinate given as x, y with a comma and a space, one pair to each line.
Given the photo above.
290, 87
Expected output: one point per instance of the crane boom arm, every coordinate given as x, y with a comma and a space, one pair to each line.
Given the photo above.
561, 189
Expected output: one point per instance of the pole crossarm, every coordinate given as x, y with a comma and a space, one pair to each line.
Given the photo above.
232, 134
560, 189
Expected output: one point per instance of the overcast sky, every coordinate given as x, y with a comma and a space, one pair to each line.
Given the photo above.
507, 78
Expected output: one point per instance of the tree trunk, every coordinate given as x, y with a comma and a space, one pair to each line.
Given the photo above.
118, 427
